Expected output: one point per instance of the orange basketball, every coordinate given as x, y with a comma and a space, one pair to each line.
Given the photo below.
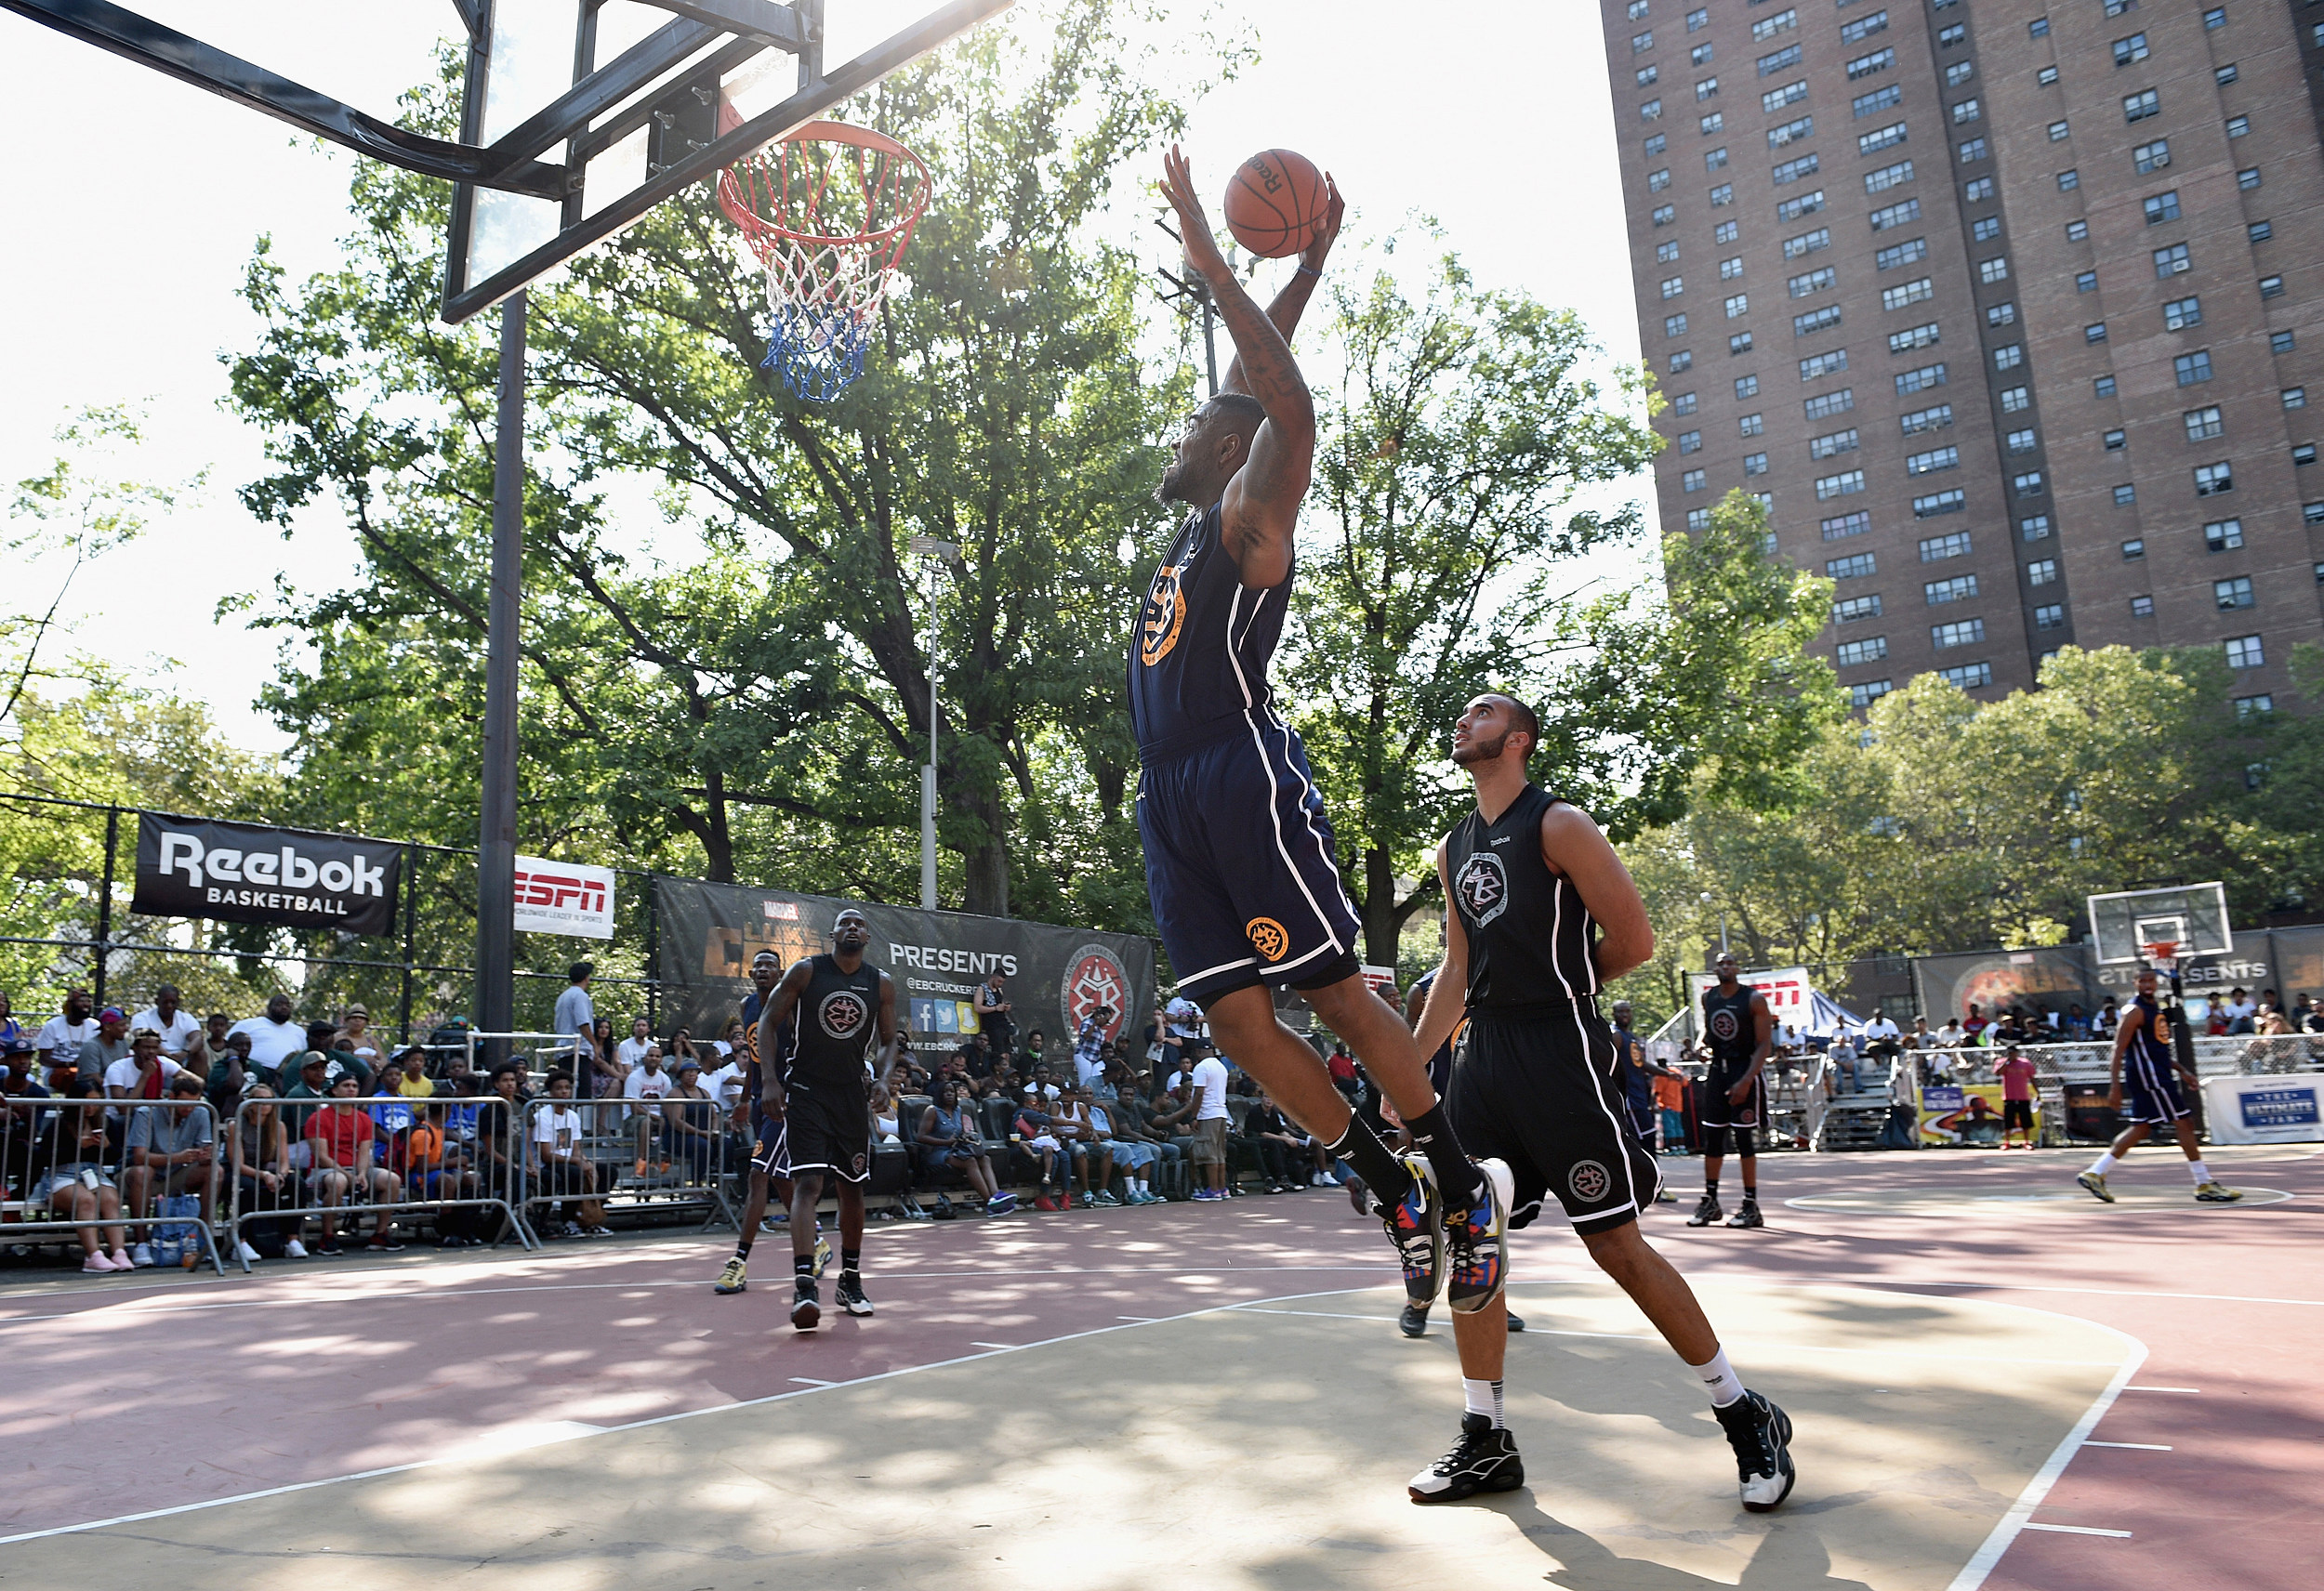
1273, 203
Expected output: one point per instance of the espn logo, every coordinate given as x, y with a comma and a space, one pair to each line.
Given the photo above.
559, 890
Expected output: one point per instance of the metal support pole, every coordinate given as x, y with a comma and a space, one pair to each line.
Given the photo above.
105, 909
1209, 335
927, 774
652, 959
411, 928
496, 837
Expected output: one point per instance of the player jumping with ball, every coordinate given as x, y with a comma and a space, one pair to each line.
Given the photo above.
1238, 851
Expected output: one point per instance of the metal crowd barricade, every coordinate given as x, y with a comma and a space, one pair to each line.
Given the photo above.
545, 1048
46, 1146
632, 1155
480, 1169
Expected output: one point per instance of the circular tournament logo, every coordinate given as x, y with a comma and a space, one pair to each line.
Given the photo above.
1164, 616
1268, 937
1095, 978
1589, 1181
842, 1013
1483, 886
1723, 1026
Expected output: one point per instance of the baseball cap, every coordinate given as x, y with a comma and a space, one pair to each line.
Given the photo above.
688, 1064
313, 1058
357, 1011
112, 1013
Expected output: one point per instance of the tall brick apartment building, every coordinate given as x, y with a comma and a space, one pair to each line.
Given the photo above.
2011, 310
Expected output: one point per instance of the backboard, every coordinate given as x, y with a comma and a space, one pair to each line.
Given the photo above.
2192, 916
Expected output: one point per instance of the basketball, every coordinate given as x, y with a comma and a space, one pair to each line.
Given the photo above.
1273, 203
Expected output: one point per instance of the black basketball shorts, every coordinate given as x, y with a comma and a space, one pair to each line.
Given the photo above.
1718, 1109
826, 1128
1541, 1091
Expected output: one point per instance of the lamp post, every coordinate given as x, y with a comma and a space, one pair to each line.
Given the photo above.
947, 552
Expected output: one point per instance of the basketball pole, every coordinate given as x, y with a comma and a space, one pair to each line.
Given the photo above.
496, 839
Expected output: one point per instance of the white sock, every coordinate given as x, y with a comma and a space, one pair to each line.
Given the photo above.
1719, 1378
1483, 1398
2104, 1164
2202, 1172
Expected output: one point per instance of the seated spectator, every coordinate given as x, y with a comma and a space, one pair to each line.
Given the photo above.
109, 1046
646, 1087
1842, 1055
231, 1073
434, 1168
1135, 1157
495, 1152
2109, 1017
460, 1080
177, 1027
339, 1139
11, 1030
2076, 1024
948, 1141
410, 1067
61, 1036
1032, 1127
561, 1169
1092, 1165
730, 1039
1284, 1159
274, 1038
2240, 1011
171, 1151
883, 1116
144, 1072
690, 1122
1133, 1122
77, 1186
259, 1151
1039, 1081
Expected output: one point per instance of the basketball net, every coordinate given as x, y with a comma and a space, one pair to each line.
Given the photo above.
828, 210
2164, 956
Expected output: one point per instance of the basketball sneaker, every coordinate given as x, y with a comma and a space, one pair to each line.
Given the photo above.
2213, 1194
1760, 1435
1478, 1270
1412, 1320
1708, 1212
1485, 1459
850, 1293
2095, 1183
1413, 1225
1747, 1215
807, 1305
822, 1256
735, 1278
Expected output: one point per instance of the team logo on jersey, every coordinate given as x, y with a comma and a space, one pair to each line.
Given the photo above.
1095, 980
1164, 615
1589, 1181
1723, 1027
843, 1013
1482, 887
860, 1162
2162, 1029
1267, 938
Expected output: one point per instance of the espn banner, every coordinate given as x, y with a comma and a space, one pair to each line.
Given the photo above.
567, 897
710, 933
242, 872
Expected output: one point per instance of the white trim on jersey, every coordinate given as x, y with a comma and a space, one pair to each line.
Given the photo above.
1622, 1133
1258, 744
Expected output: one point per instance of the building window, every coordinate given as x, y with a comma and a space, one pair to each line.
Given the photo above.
1646, 75
1831, 486
2215, 18
1918, 380
2201, 424
1938, 502
2232, 593
1882, 98
1778, 61
1724, 232
2248, 178
1864, 695
1832, 445
2069, 181
2238, 126
1737, 305
2223, 75
1913, 338
2015, 397
1871, 649
1936, 548
1791, 171
2009, 356
1934, 418
2259, 231
2041, 571
2102, 386
2172, 261
1975, 192
1905, 253
2050, 616
2057, 132
2125, 494
2305, 453
1715, 122
1855, 567
1776, 98
2113, 441
1665, 214
1805, 204
1699, 518
1967, 110
2130, 51
1673, 286
1826, 405
2254, 706
1807, 242
1730, 267
2271, 286
2295, 396
1863, 28
2027, 485
1690, 442
1854, 609
1754, 464
1701, 55
1657, 180
1739, 344
1887, 176
1960, 632
1933, 460
1722, 194
1751, 424
2076, 232
1907, 294
1673, 325
1692, 480
1881, 139
1791, 132
2178, 314
1895, 215
2162, 208
2022, 441
1960, 588
1820, 364
1782, 22
1716, 159
1640, 43
1697, 20
1985, 229
1747, 387
2133, 549
2223, 535
1947, 37
2151, 157
2138, 107
1650, 111
2246, 652
1666, 253
2094, 333
1683, 404
2142, 607
1971, 150
2039, 27
1845, 525
2191, 368
2034, 528
1992, 270
2214, 480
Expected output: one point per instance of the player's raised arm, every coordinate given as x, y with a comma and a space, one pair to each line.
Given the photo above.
1290, 301
1260, 505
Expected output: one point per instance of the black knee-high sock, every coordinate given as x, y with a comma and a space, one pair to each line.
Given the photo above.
1361, 1148
1457, 1177
850, 1260
742, 1245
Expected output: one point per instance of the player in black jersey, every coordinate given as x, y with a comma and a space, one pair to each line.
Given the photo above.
820, 1096
1739, 1032
1239, 860
769, 1163
2144, 1059
1539, 912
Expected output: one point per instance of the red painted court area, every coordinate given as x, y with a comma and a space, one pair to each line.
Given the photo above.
145, 1394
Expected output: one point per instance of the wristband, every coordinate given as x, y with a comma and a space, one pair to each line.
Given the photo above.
1304, 271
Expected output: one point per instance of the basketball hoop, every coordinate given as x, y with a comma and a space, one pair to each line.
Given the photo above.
828, 210
2162, 955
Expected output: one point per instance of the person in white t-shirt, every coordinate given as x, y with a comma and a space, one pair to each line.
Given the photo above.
274, 1038
1210, 1124
61, 1036
165, 1017
650, 1083
563, 1169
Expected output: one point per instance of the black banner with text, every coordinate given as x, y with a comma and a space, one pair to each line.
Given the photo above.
242, 872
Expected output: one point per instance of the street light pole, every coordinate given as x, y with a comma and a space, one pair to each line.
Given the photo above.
931, 548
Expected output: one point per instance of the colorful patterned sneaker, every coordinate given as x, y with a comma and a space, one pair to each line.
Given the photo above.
1478, 1269
735, 1278
1485, 1459
1760, 1435
2095, 1184
2213, 1194
1418, 1234
822, 1256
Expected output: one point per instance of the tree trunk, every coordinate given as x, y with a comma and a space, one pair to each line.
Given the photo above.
1383, 925
985, 888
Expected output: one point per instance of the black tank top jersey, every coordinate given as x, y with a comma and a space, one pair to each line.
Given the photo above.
2152, 1042
1531, 940
1199, 652
1727, 1025
838, 1018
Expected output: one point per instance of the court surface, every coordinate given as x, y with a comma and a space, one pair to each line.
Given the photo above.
1992, 1387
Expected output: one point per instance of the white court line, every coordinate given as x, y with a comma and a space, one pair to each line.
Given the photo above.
2142, 1447
2080, 1531
1707, 1275
811, 1381
1002, 1346
2162, 1389
1141, 1319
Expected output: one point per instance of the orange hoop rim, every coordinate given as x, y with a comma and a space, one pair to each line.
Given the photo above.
732, 197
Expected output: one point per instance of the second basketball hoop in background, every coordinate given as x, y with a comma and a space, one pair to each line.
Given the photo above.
1273, 203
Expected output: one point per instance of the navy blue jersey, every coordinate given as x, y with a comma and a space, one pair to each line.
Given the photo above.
2151, 1043
1198, 656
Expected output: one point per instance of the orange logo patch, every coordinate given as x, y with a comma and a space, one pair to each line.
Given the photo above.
1164, 617
1267, 938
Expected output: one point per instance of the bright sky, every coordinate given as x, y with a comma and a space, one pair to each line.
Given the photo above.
135, 200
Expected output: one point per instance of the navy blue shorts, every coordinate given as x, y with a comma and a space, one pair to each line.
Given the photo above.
1240, 865
2150, 1093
